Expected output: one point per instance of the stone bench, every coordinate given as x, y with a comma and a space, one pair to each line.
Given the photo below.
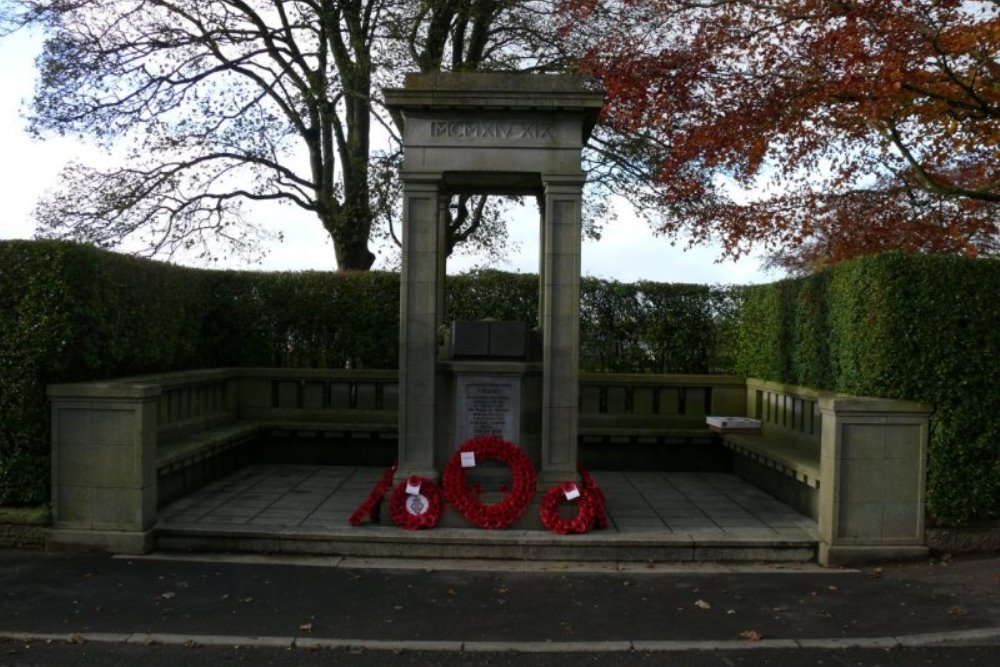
636, 420
122, 449
615, 407
855, 464
784, 458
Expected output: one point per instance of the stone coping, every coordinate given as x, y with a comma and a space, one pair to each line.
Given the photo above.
838, 402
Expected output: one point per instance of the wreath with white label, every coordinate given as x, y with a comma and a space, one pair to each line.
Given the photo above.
489, 448
372, 505
568, 492
416, 503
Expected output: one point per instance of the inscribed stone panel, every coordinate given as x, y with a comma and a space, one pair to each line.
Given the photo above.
488, 406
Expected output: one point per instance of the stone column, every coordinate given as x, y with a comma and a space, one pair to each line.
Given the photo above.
444, 201
561, 325
419, 305
541, 260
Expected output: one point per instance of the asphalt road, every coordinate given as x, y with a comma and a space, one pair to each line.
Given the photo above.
15, 654
91, 609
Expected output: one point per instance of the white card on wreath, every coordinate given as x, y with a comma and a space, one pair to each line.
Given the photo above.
468, 459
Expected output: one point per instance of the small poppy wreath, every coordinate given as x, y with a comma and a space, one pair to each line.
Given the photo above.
567, 492
461, 497
600, 504
371, 507
416, 503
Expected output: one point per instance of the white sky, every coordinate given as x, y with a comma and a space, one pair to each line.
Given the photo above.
627, 251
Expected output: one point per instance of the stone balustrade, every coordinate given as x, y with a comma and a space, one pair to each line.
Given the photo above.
121, 449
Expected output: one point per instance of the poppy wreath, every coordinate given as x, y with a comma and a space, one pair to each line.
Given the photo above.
600, 504
523, 482
548, 509
371, 507
417, 509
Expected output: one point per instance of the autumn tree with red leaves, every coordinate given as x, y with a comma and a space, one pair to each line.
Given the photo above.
817, 129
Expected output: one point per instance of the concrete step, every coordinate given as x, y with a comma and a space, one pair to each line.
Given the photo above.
376, 541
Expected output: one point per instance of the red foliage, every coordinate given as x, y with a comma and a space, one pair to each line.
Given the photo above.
825, 129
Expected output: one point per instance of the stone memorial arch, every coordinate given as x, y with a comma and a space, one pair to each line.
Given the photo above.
498, 134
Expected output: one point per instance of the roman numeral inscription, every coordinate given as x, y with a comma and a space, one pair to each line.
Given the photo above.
491, 130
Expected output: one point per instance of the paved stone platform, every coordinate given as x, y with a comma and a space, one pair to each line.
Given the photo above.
652, 516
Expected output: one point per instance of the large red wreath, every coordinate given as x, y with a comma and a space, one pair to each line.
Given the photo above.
416, 503
567, 492
371, 507
461, 497
600, 504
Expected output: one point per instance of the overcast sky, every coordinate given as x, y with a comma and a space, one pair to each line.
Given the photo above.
628, 251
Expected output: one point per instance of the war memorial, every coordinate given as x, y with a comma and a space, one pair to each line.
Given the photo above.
488, 416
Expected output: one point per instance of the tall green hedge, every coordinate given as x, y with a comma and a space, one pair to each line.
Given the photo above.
656, 327
914, 327
71, 312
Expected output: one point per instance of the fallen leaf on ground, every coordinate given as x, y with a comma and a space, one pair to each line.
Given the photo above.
751, 636
701, 604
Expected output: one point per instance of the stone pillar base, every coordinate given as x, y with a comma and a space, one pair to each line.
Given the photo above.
842, 556
109, 541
